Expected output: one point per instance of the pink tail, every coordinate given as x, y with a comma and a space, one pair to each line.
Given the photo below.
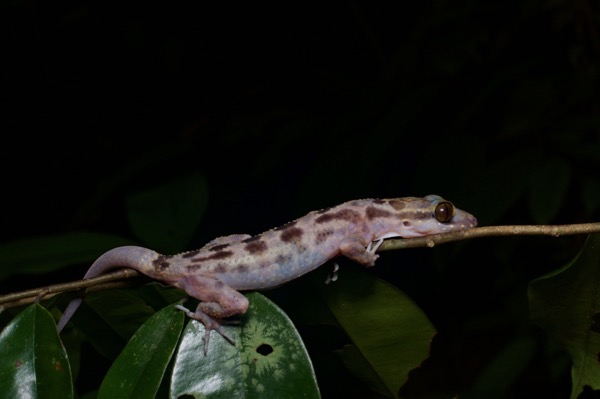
132, 257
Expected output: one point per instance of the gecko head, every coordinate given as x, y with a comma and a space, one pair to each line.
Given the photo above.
432, 215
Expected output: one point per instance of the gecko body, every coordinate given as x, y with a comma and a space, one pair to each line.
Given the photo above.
215, 273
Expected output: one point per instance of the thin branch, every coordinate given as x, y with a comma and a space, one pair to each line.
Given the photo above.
104, 281
112, 280
490, 231
45, 295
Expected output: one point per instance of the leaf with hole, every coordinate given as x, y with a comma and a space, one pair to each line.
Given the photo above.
268, 360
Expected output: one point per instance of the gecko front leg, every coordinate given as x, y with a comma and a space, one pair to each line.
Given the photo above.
218, 301
355, 248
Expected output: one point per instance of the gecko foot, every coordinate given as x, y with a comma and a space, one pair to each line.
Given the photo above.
373, 248
209, 325
360, 251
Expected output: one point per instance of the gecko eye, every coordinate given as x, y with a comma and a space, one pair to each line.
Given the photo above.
444, 211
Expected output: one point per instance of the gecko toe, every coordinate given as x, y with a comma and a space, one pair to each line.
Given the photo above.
210, 324
218, 329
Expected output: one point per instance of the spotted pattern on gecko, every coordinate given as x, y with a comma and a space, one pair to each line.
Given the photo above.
215, 273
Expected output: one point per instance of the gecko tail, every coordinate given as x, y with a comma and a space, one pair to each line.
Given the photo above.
132, 257
68, 313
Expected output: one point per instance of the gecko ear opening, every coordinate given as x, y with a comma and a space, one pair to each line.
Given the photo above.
444, 212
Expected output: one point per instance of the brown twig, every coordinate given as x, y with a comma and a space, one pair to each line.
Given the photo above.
491, 231
105, 281
111, 280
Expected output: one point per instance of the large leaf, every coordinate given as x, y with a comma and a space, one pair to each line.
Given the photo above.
566, 303
139, 369
268, 361
166, 217
391, 335
33, 362
48, 253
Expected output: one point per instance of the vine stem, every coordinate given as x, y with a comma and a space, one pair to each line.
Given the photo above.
115, 279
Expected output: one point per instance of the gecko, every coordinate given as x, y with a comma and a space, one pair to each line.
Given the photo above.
216, 273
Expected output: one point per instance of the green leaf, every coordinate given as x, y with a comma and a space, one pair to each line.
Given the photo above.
33, 362
268, 361
48, 253
391, 335
139, 369
548, 189
566, 304
166, 217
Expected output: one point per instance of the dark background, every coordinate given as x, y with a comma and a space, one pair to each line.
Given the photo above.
285, 109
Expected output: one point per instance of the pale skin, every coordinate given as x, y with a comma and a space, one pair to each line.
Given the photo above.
217, 272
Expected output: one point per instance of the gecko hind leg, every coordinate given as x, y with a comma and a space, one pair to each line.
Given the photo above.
217, 301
